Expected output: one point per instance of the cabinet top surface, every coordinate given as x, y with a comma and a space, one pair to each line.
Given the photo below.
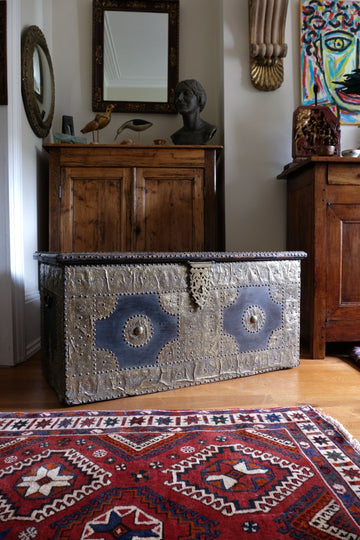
94, 146
299, 165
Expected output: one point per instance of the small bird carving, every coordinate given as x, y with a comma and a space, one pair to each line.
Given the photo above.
137, 124
100, 121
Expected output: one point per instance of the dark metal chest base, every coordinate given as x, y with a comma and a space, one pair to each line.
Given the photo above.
124, 324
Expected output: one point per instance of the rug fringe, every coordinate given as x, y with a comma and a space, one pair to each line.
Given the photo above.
338, 425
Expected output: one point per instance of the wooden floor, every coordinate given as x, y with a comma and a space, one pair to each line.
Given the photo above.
331, 385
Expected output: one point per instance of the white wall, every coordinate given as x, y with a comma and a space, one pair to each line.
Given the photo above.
38, 12
6, 332
19, 177
11, 275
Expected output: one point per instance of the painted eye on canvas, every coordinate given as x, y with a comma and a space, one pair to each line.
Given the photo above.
338, 44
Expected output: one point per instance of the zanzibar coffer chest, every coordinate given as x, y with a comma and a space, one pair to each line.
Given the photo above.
123, 324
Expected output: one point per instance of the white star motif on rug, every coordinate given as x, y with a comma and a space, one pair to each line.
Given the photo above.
228, 481
44, 480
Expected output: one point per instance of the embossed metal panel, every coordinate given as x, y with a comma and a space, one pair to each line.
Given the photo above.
128, 325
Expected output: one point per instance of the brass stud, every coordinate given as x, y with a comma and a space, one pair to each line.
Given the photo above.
138, 330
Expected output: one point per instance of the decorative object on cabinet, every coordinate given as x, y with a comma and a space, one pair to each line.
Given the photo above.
190, 100
267, 48
352, 152
137, 124
323, 219
135, 198
3, 54
126, 324
135, 55
316, 131
37, 81
99, 122
70, 139
329, 42
68, 125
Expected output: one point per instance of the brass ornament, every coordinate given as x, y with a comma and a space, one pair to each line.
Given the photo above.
254, 319
138, 330
200, 282
266, 74
267, 48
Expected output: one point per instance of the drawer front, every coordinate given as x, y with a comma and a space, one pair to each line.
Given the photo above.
344, 174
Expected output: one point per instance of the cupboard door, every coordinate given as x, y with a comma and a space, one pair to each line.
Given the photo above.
343, 272
169, 207
95, 209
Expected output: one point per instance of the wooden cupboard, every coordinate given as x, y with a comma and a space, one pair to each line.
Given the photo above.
135, 198
323, 219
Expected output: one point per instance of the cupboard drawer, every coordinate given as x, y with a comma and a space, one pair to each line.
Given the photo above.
344, 173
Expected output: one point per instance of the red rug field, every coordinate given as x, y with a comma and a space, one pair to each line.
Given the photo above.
225, 474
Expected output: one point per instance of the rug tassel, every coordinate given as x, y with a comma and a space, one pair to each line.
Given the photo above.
344, 432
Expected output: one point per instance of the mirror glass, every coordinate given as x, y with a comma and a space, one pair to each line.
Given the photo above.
37, 81
135, 56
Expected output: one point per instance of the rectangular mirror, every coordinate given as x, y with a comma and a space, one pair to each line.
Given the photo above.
135, 55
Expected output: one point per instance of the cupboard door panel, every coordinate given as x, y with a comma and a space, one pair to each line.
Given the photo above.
343, 277
135, 198
169, 209
95, 209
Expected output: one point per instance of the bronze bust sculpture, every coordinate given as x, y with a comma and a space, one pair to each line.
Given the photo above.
190, 100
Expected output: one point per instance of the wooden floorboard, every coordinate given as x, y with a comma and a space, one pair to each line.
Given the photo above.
331, 385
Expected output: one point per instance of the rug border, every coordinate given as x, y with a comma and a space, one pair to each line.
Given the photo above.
336, 424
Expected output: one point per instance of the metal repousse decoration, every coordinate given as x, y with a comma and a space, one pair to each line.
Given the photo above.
122, 325
267, 48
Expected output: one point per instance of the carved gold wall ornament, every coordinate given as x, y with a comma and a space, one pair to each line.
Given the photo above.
267, 48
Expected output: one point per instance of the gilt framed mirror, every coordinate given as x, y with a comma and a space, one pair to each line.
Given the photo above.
37, 81
135, 55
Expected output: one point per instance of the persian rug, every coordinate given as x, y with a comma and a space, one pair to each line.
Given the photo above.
227, 474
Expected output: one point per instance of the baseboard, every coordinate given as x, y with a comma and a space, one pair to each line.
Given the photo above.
32, 348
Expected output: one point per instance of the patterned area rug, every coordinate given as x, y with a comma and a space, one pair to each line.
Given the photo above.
259, 474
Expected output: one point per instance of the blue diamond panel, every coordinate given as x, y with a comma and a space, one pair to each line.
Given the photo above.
109, 332
234, 314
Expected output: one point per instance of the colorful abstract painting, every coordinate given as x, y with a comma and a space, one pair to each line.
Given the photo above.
330, 42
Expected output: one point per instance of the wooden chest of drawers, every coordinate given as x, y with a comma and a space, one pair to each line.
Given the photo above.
323, 219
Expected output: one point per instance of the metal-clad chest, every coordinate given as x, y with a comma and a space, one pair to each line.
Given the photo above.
124, 324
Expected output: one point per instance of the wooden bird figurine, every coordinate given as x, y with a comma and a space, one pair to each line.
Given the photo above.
100, 121
137, 124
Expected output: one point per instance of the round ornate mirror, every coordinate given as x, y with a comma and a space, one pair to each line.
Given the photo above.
37, 81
